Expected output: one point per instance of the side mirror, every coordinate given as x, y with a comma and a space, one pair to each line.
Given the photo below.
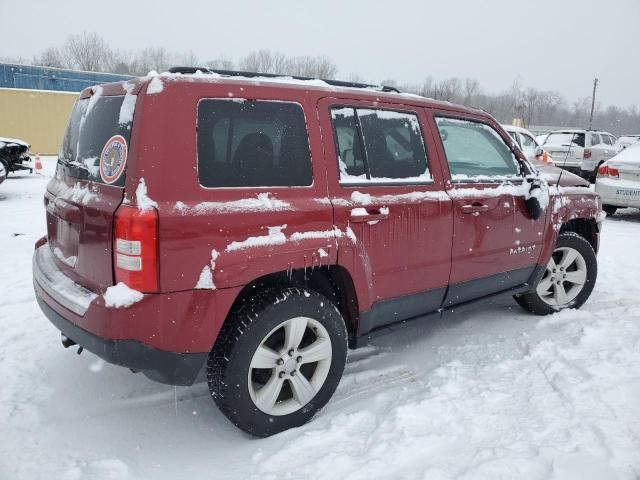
539, 151
537, 198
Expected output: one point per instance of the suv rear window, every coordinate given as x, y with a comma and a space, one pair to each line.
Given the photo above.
252, 143
565, 139
93, 122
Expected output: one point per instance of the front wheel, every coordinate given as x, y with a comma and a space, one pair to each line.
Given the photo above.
277, 360
568, 280
610, 210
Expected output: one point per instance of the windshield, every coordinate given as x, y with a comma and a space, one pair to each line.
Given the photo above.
94, 124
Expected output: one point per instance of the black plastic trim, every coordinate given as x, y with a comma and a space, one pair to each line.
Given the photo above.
387, 314
397, 309
165, 367
482, 287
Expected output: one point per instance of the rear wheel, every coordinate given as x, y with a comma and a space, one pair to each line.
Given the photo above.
278, 360
568, 279
610, 210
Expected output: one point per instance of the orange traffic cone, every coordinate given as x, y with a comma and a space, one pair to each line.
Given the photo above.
38, 163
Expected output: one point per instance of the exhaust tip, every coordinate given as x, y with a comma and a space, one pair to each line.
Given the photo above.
67, 342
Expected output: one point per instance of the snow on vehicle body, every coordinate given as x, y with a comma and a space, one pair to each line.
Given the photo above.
196, 217
618, 181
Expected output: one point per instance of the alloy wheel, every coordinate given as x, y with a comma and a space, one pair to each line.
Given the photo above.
564, 278
290, 366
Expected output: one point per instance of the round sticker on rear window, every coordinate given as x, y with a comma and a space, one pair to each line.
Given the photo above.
113, 159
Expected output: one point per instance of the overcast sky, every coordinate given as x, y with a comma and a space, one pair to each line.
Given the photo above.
548, 44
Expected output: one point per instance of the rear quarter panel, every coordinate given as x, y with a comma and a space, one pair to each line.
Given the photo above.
195, 221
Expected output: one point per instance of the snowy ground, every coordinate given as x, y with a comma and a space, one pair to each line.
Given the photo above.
489, 394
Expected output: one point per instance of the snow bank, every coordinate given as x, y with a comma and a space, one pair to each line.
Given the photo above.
121, 296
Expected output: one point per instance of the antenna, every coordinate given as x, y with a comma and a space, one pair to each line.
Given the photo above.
573, 135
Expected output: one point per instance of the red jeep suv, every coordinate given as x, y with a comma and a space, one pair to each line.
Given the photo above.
255, 227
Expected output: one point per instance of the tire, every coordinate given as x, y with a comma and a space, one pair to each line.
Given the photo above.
233, 369
610, 210
543, 301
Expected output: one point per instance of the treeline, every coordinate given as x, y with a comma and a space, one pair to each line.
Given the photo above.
89, 51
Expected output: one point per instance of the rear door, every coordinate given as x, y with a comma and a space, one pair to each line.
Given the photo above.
385, 191
485, 176
85, 192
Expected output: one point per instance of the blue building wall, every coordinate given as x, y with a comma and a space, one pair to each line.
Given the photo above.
45, 78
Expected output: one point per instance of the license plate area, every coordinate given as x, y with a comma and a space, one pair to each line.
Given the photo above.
67, 237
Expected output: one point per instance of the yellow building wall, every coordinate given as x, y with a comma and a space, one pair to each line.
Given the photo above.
38, 117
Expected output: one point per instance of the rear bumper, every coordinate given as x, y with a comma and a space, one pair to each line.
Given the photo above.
619, 193
166, 336
164, 367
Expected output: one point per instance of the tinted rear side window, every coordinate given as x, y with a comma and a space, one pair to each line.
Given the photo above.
252, 144
93, 122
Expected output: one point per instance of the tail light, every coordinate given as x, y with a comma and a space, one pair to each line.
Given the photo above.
136, 248
587, 154
608, 171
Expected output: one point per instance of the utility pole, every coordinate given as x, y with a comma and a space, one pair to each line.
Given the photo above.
593, 102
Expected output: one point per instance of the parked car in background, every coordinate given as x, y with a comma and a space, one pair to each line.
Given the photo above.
14, 155
529, 145
296, 219
625, 141
541, 138
580, 151
618, 180
3, 172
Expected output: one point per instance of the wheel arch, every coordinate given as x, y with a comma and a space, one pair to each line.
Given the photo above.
587, 228
334, 282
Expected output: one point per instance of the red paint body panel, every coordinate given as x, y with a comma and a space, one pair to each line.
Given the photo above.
426, 242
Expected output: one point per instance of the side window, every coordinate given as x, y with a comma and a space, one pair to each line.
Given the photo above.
606, 139
595, 139
252, 144
348, 144
528, 145
474, 149
379, 145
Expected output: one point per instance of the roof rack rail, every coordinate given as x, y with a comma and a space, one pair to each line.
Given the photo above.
237, 73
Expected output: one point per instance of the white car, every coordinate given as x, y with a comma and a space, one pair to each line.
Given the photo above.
626, 141
528, 144
618, 180
580, 151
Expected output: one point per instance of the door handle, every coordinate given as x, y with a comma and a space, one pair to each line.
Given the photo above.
369, 214
475, 208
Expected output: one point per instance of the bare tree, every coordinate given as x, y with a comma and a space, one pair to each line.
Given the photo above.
50, 57
221, 63
86, 51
